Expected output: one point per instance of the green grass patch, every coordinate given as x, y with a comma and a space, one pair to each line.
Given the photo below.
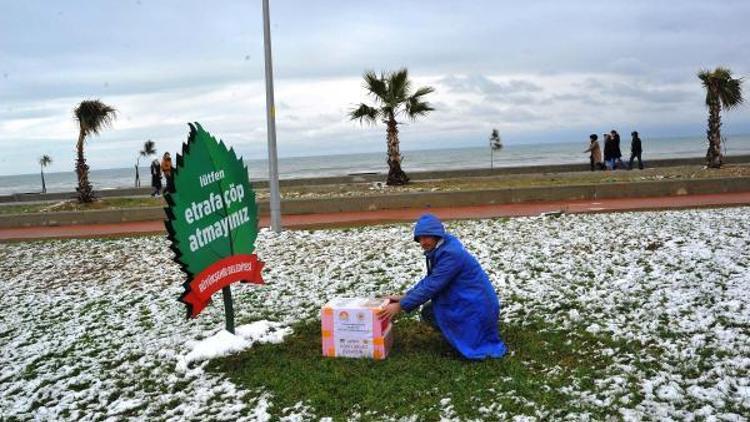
73, 205
421, 371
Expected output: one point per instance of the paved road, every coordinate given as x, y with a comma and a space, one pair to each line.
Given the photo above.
344, 219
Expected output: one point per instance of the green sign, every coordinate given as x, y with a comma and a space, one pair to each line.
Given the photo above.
212, 220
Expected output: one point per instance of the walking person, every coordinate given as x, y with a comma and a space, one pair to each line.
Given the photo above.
458, 298
610, 153
595, 157
636, 149
618, 152
156, 177
167, 169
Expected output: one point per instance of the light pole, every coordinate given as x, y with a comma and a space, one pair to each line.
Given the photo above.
273, 165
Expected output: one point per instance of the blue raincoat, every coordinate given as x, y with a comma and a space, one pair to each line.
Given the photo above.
465, 304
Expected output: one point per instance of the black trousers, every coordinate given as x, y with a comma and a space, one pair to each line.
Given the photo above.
634, 156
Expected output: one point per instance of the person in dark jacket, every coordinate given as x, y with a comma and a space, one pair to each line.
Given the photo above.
156, 178
610, 153
462, 304
618, 152
636, 149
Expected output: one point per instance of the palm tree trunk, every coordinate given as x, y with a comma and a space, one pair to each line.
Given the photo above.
713, 155
396, 176
137, 176
85, 192
44, 186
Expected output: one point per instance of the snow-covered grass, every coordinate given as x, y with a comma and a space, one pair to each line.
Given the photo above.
91, 329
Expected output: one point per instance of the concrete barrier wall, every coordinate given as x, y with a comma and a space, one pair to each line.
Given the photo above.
412, 200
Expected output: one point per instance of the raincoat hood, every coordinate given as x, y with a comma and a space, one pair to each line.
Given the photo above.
428, 225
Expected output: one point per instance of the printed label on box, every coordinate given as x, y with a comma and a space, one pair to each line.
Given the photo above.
352, 322
353, 347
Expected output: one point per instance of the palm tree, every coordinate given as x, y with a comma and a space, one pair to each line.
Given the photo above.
44, 161
92, 116
495, 144
393, 97
722, 90
148, 149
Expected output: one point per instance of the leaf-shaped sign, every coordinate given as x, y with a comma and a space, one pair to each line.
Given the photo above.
212, 219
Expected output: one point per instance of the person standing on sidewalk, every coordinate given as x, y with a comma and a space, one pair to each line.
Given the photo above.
167, 169
610, 154
156, 177
595, 157
636, 149
618, 152
462, 303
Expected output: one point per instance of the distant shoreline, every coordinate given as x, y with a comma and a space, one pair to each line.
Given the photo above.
379, 177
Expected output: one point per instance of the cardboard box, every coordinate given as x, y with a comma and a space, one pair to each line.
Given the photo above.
350, 328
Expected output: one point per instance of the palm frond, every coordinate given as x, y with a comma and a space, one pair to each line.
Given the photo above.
704, 75
376, 85
731, 95
149, 148
415, 108
45, 160
423, 91
365, 113
398, 86
722, 73
722, 86
94, 115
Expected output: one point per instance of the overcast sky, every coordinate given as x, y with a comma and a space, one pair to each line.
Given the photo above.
539, 71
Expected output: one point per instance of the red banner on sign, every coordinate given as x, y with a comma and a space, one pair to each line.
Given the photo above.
245, 268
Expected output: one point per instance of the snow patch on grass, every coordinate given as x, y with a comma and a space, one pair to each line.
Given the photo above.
224, 343
92, 328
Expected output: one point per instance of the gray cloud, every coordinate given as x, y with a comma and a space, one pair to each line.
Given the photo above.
634, 89
170, 61
479, 84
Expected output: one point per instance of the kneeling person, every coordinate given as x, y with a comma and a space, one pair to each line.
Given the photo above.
464, 305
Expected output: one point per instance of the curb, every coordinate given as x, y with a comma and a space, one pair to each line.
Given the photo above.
663, 188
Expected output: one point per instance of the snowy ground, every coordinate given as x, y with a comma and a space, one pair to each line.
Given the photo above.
91, 329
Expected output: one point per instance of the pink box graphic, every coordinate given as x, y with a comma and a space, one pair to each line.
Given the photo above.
351, 328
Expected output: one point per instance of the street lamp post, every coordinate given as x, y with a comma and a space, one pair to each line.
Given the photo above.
273, 165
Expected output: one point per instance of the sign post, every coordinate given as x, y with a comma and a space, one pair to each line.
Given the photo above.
212, 222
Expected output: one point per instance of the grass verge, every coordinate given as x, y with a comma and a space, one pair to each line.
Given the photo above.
422, 371
518, 181
73, 205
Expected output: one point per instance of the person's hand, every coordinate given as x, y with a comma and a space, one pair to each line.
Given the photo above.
390, 310
394, 298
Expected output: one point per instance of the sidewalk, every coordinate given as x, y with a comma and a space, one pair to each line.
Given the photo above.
345, 219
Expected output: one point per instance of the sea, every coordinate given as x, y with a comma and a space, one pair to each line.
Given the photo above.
375, 162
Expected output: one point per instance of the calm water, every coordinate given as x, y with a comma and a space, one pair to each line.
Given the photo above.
438, 159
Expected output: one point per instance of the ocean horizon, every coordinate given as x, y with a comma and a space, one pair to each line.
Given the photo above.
375, 162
